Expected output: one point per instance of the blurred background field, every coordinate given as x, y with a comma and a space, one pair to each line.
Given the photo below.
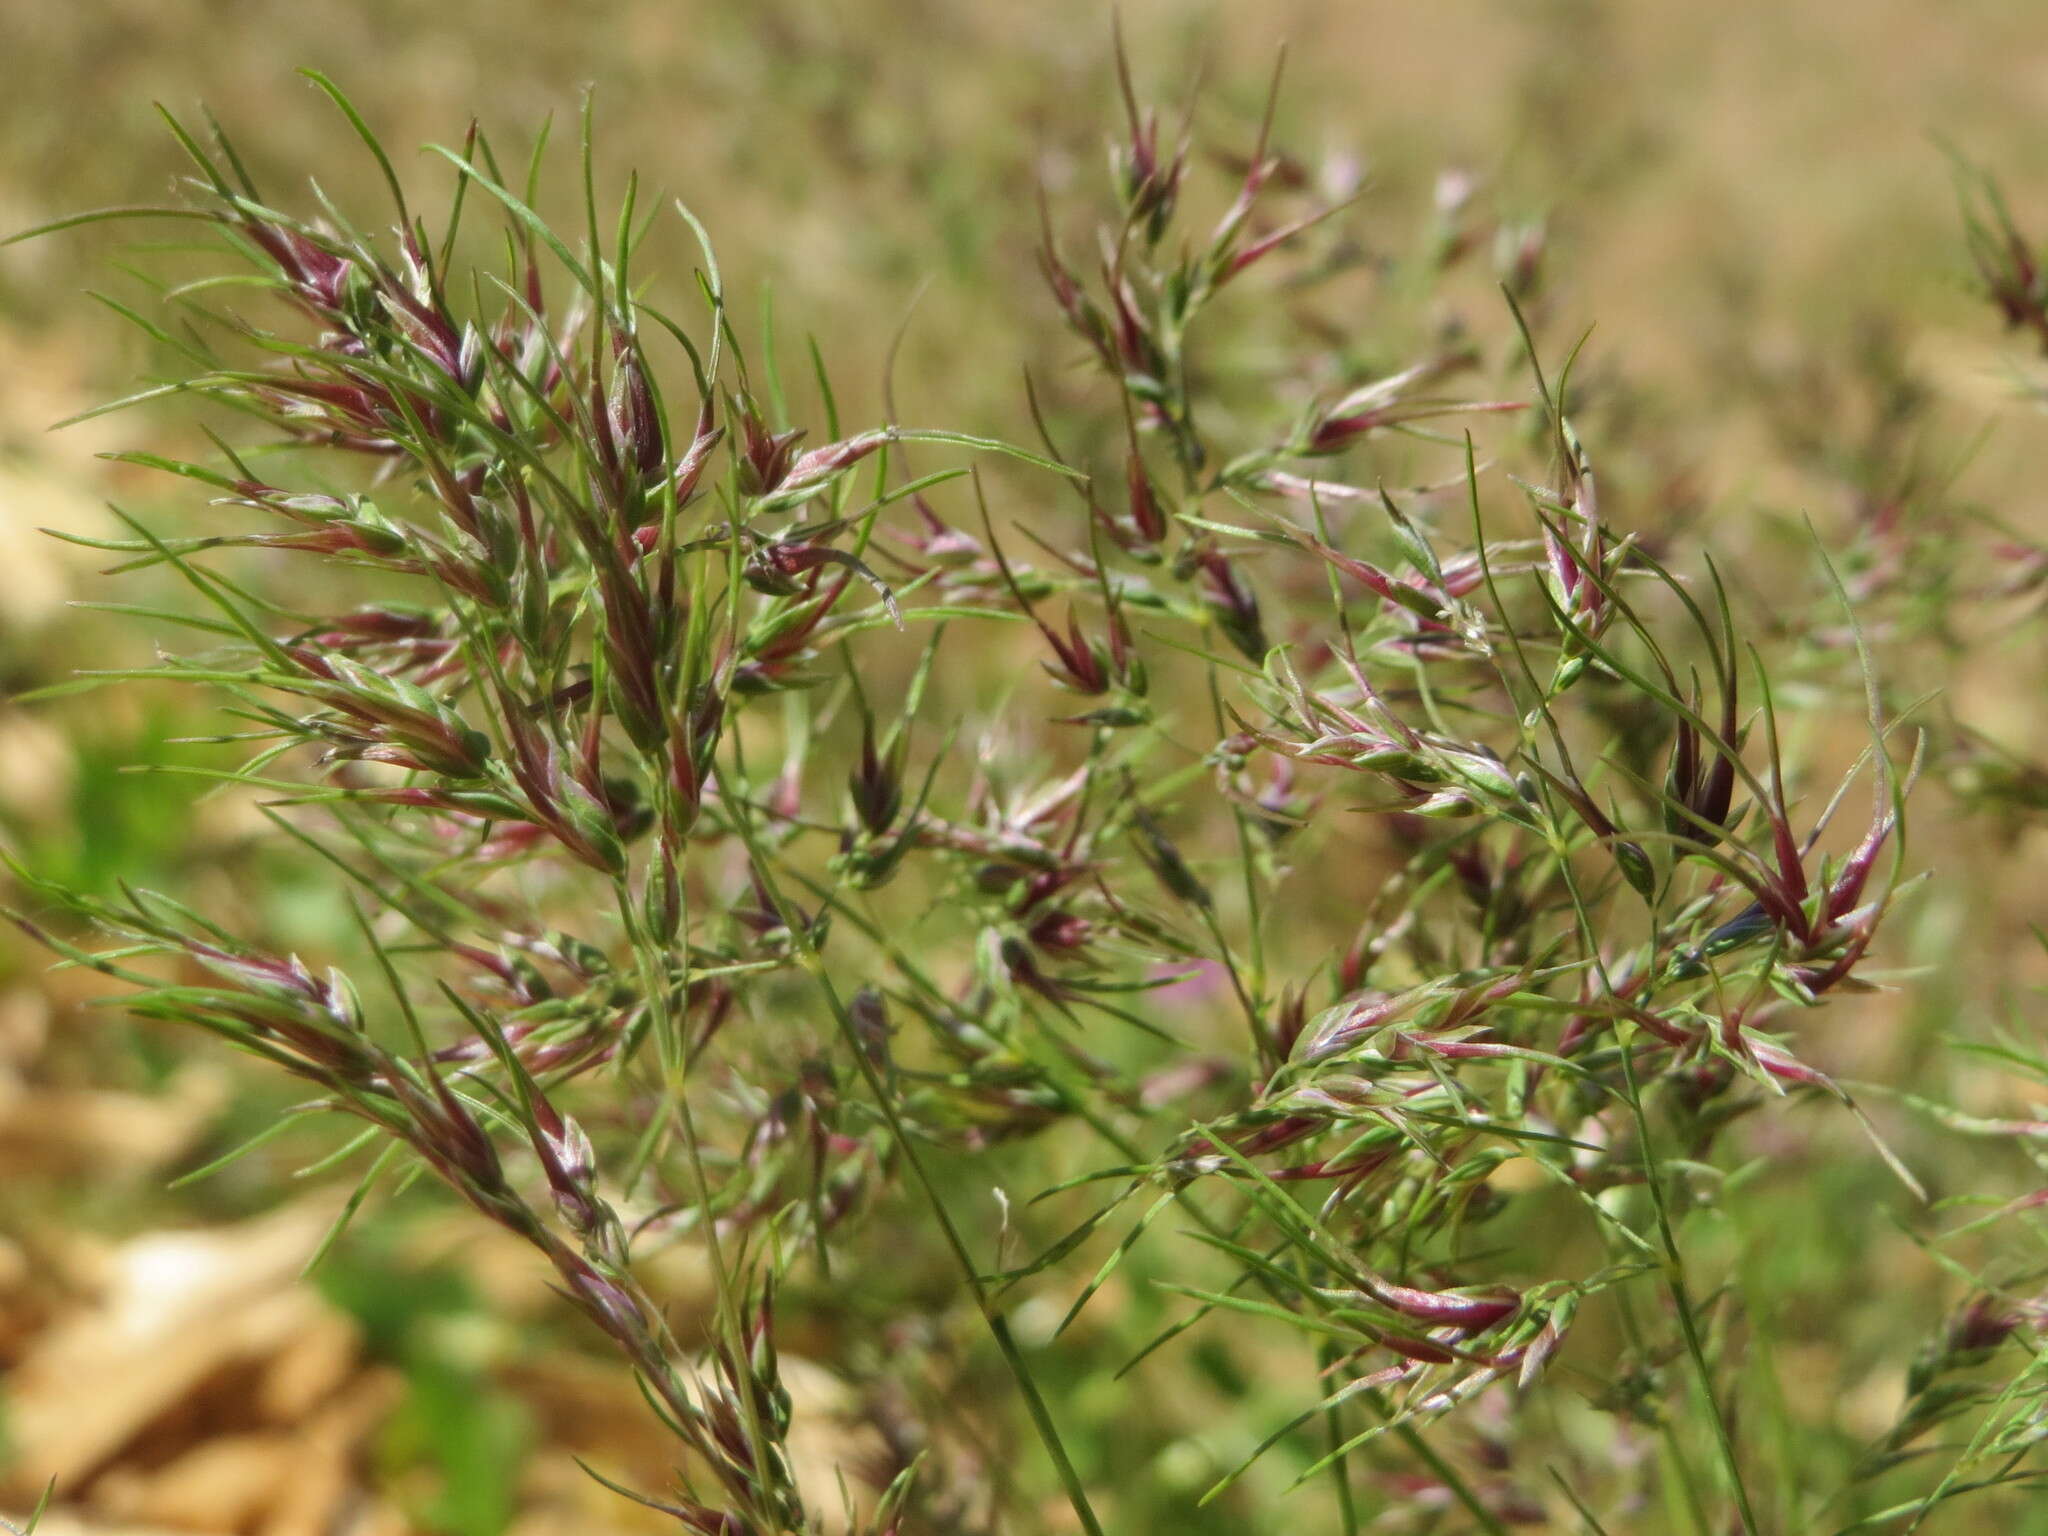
1749, 201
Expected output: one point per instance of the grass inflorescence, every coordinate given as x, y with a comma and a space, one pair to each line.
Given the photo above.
708, 893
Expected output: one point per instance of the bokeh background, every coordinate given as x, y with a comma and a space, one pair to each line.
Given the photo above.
1751, 202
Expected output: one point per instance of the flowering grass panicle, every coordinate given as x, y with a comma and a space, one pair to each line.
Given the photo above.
1386, 893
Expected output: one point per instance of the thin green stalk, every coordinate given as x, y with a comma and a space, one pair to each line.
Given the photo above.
1340, 1466
1673, 1267
1674, 1281
998, 1326
731, 1321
